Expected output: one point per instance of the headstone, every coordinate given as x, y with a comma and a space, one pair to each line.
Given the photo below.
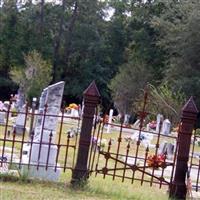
109, 120
46, 125
170, 150
20, 121
2, 117
162, 148
167, 148
126, 119
158, 121
148, 127
74, 113
20, 100
136, 124
166, 127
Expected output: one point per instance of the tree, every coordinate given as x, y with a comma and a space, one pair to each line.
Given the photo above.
179, 28
143, 59
162, 99
127, 85
36, 75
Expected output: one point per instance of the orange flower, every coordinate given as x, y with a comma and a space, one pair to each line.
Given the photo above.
156, 161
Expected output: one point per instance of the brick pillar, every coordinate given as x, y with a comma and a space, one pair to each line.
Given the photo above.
178, 188
91, 100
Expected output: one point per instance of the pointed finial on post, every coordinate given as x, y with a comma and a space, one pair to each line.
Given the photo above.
190, 110
190, 106
92, 90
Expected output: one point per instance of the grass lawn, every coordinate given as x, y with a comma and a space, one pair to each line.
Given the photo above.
97, 188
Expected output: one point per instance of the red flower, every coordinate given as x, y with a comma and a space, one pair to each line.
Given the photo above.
156, 161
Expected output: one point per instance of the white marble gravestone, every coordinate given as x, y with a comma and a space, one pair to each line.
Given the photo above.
166, 127
20, 121
109, 120
126, 118
44, 126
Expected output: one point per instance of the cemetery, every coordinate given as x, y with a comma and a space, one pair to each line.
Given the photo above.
99, 99
42, 143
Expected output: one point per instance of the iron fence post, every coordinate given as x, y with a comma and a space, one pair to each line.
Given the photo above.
178, 189
91, 99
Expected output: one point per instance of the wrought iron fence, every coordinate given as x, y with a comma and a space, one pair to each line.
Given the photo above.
133, 153
85, 146
53, 150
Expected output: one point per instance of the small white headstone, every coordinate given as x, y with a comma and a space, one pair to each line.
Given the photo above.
74, 113
109, 120
20, 121
126, 118
148, 128
166, 127
158, 121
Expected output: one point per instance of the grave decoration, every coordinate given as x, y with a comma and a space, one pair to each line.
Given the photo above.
153, 124
72, 110
156, 161
72, 106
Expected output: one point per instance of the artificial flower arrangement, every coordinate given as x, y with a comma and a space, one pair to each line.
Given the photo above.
153, 124
156, 161
72, 106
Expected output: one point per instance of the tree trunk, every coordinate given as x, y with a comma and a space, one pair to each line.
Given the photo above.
68, 35
57, 41
42, 17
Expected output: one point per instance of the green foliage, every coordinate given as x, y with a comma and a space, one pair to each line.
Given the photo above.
143, 59
166, 101
179, 36
35, 76
82, 44
127, 84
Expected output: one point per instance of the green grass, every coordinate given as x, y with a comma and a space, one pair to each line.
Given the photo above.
97, 188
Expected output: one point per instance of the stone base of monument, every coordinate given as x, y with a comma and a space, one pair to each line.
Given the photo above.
40, 172
44, 153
